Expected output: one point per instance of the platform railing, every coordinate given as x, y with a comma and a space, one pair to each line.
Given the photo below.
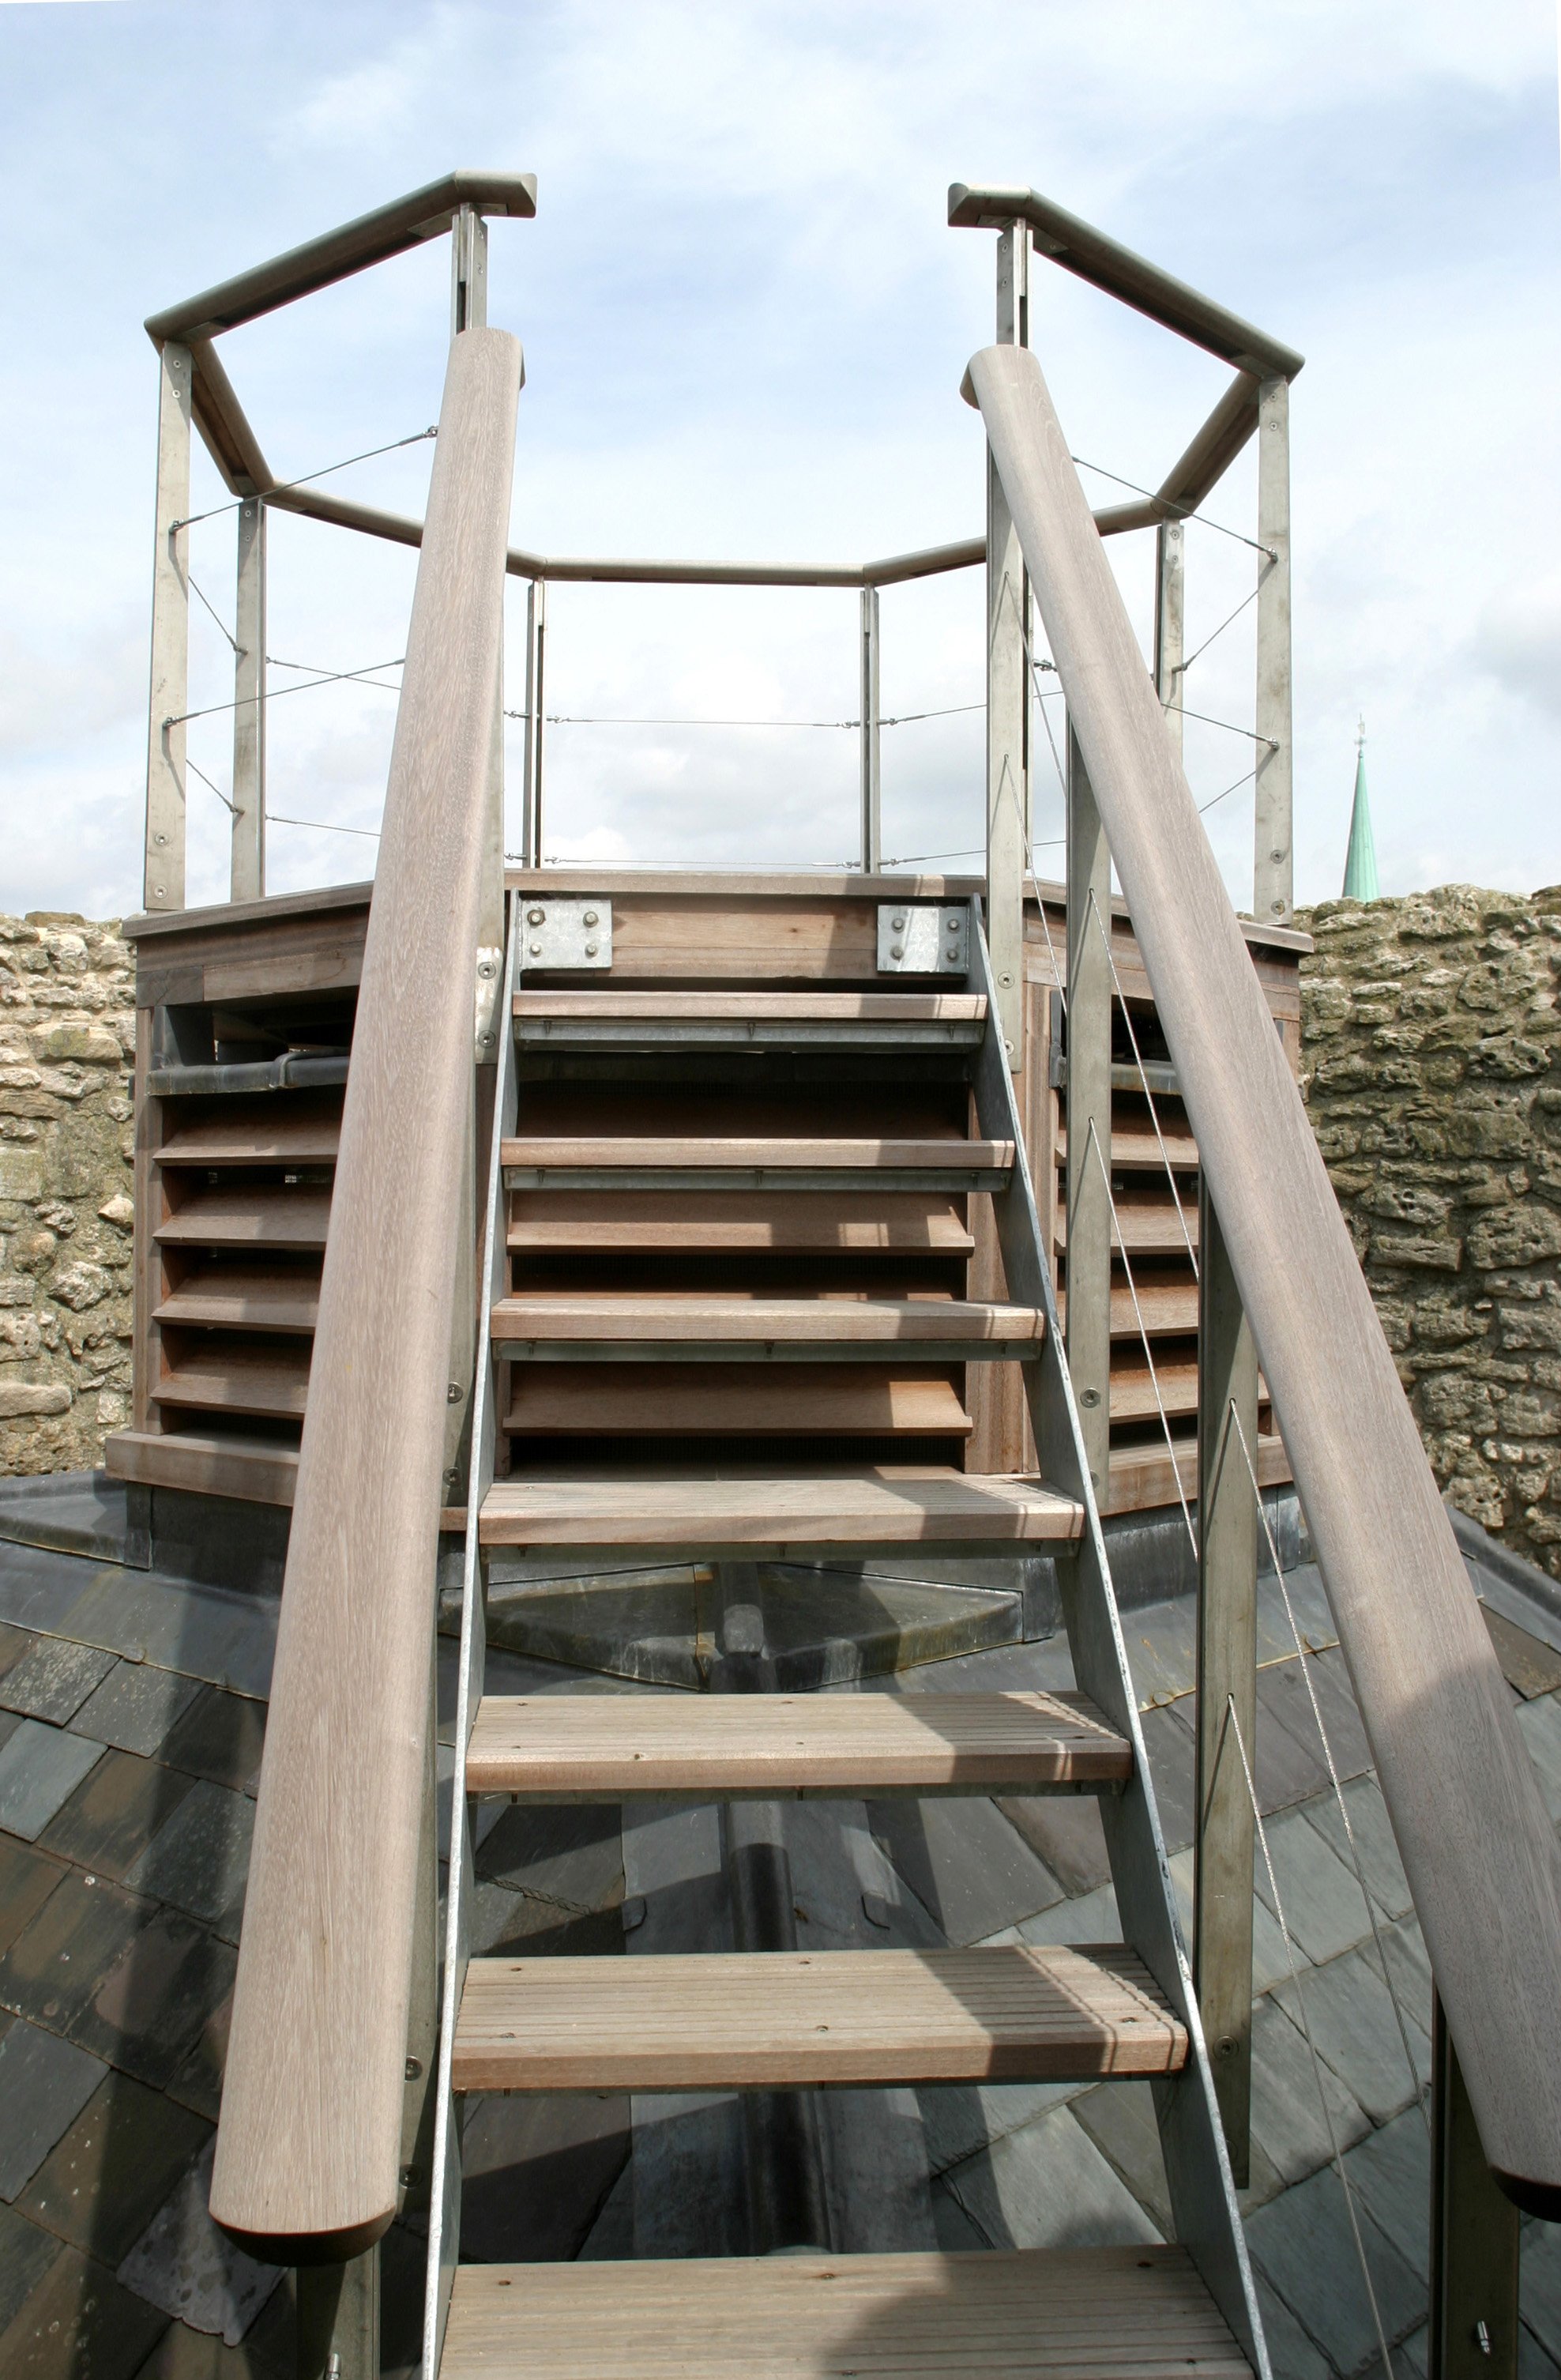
310, 2143
1466, 1812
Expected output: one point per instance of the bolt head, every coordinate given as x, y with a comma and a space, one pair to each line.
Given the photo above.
590, 950
898, 924
536, 949
896, 949
535, 916
591, 917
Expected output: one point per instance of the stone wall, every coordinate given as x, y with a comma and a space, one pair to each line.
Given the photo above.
66, 1042
1432, 1068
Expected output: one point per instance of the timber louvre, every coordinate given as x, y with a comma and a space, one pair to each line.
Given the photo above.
775, 1259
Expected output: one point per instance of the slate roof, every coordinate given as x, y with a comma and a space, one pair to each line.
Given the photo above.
131, 1722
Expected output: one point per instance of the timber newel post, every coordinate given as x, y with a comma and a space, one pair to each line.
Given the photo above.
169, 692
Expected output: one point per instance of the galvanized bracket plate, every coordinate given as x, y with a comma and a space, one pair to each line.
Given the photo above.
562, 934
924, 938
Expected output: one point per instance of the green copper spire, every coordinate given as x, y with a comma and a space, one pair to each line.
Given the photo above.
1359, 867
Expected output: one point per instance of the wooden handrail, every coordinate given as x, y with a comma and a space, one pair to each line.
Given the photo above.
1466, 1808
309, 2142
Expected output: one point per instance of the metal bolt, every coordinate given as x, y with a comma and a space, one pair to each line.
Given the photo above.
1482, 2338
590, 950
1278, 908
160, 889
536, 949
1276, 855
898, 924
896, 950
414, 2068
454, 1393
591, 917
535, 916
1089, 1398
486, 967
1005, 980
159, 838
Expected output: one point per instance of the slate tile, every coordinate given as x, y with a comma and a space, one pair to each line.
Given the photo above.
26, 2255
960, 2119
53, 1680
185, 2354
1541, 1724
114, 1812
1171, 1746
200, 1860
135, 1707
146, 2014
79, 2325
198, 2082
1047, 2186
206, 1632
1162, 1649
536, 2168
1302, 2245
1064, 1830
1291, 2352
44, 2085
1351, 2020
113, 2168
1324, 1907
571, 1855
14, 1644
1290, 1704
220, 1737
184, 2264
972, 1872
955, 2232
26, 1881
1411, 1969
40, 1768
1287, 2119
1372, 1832
1270, 1960
1533, 2364
56, 1964
1120, 2118
1528, 1665
1091, 1918
1390, 2172
1308, 1600
40, 1589
1284, 1769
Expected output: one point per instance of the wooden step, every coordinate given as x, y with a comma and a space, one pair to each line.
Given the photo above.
1139, 1151
716, 1329
1145, 1225
715, 2021
889, 1221
1133, 1394
1071, 2314
1166, 1307
720, 1747
240, 1381
255, 1215
879, 1508
596, 1162
708, 1020
739, 1400
254, 1140
239, 1297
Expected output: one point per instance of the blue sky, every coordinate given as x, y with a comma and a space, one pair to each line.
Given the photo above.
744, 321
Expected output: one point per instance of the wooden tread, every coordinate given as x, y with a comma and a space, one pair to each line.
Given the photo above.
1133, 1150
601, 1748
240, 1297
776, 1019
240, 1381
708, 1329
736, 1400
259, 1215
1144, 1225
1071, 2314
877, 1507
889, 1219
686, 1162
254, 1140
768, 2019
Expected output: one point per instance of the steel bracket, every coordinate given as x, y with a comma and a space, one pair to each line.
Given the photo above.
924, 938
563, 935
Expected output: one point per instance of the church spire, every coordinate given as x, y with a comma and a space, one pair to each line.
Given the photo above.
1359, 867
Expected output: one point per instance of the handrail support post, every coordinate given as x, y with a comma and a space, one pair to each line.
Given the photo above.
1274, 869
1007, 707
1474, 2235
1088, 1240
536, 652
248, 869
1170, 603
872, 806
1227, 1671
169, 692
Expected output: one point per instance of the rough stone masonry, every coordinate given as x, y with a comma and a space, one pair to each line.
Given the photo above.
1431, 1064
67, 1046
1430, 1044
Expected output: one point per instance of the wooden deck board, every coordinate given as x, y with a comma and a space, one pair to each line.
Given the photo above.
879, 1505
603, 1746
796, 1400
275, 1215
886, 1220
751, 2020
717, 1323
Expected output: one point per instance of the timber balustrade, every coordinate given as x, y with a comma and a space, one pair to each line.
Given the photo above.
309, 2146
1466, 1812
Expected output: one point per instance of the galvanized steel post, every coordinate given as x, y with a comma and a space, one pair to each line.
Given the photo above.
1273, 870
469, 312
1170, 595
1088, 1238
536, 653
169, 695
1008, 707
872, 806
248, 880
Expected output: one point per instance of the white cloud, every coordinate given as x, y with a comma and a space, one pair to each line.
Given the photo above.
1517, 642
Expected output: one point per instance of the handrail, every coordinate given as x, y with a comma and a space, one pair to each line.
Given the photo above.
336, 255
1121, 272
1466, 1808
309, 2143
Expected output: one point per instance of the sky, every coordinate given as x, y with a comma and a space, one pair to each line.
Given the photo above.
745, 320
